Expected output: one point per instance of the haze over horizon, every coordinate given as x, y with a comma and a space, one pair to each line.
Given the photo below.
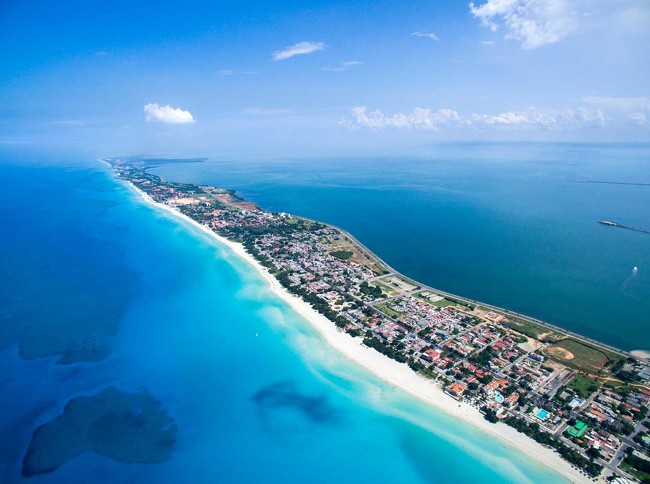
321, 78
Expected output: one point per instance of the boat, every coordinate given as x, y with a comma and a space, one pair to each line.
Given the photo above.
636, 269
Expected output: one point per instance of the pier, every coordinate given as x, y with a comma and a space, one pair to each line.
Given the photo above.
615, 224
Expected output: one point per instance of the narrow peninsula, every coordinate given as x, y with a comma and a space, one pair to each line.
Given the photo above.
585, 400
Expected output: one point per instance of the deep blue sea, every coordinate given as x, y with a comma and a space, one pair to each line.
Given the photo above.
118, 320
502, 223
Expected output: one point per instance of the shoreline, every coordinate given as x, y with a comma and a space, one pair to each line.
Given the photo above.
397, 374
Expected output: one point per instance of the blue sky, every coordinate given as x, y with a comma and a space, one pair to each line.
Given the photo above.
320, 77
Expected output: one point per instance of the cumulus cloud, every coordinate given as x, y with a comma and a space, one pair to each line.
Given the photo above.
419, 118
530, 118
634, 109
639, 118
535, 23
428, 35
166, 114
532, 22
301, 48
343, 66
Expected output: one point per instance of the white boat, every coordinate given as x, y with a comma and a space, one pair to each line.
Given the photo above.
636, 269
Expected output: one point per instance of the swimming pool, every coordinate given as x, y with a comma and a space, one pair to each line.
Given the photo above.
541, 414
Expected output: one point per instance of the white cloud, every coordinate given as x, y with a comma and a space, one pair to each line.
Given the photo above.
487, 42
530, 118
535, 23
532, 22
419, 118
300, 48
343, 66
428, 35
166, 114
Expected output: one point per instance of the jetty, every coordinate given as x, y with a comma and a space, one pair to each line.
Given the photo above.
615, 224
614, 183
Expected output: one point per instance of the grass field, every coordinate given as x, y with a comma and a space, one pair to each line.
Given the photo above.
583, 385
461, 304
580, 356
391, 291
384, 308
342, 254
442, 303
531, 329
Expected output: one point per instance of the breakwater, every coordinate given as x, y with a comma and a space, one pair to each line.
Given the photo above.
615, 224
614, 183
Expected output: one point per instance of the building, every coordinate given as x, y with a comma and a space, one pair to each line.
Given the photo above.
578, 430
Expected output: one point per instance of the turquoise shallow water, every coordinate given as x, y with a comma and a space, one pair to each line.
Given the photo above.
502, 223
100, 290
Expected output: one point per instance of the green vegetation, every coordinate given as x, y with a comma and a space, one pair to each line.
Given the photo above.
639, 468
460, 303
489, 415
369, 290
618, 386
531, 329
342, 254
391, 291
482, 358
583, 385
386, 309
441, 303
392, 352
581, 356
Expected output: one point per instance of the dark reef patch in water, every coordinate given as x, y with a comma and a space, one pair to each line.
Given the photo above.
126, 427
282, 396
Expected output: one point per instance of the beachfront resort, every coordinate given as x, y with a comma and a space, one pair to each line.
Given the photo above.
587, 401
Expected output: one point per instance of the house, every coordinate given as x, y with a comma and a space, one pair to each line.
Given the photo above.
431, 355
456, 390
597, 415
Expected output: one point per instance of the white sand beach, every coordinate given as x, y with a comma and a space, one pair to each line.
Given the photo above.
398, 374
643, 354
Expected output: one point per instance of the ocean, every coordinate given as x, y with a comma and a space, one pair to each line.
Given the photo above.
120, 320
